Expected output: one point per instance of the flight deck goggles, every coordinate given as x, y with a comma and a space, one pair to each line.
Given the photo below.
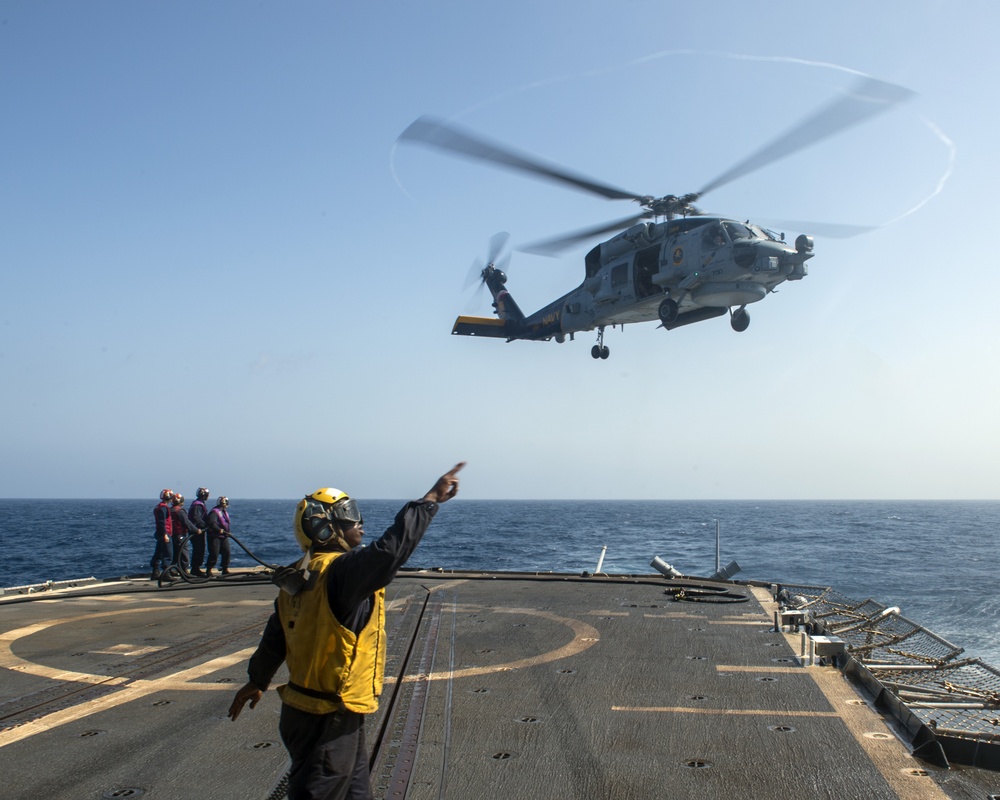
346, 511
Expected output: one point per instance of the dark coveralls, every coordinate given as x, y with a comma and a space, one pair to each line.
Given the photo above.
182, 526
218, 537
198, 514
328, 751
161, 555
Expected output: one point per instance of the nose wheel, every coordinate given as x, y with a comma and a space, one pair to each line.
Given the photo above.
599, 350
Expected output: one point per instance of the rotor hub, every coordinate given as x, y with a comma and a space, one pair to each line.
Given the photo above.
670, 205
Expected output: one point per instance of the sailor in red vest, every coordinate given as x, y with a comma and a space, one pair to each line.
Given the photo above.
162, 554
329, 627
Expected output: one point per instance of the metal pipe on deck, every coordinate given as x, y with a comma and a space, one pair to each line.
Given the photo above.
664, 568
718, 550
600, 561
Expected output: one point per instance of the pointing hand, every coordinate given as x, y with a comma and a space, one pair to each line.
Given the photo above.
446, 486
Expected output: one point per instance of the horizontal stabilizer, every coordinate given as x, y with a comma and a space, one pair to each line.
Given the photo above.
480, 326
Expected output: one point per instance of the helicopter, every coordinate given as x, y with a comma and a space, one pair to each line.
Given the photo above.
669, 261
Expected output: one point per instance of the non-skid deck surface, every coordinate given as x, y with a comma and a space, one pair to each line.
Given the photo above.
497, 687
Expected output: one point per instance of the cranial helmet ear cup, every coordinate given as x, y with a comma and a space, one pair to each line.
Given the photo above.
316, 523
323, 532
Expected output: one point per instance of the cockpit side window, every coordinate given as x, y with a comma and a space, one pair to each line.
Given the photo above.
713, 236
619, 275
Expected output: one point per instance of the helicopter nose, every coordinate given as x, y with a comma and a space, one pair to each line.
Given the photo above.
793, 262
758, 256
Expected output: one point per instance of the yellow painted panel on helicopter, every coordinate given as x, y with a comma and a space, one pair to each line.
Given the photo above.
480, 326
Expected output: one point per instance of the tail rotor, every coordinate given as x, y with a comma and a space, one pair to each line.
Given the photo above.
497, 258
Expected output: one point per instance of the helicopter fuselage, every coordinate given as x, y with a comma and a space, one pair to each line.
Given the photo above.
678, 272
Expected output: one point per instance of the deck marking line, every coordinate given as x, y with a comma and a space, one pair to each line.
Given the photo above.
775, 670
582, 631
134, 691
447, 585
585, 636
728, 711
128, 650
9, 660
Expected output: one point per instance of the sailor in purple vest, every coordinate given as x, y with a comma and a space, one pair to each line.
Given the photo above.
161, 516
183, 529
198, 514
218, 536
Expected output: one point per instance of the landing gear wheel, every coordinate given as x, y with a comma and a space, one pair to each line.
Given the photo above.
740, 320
599, 350
667, 311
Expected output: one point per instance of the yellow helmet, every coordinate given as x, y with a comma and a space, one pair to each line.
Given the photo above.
317, 516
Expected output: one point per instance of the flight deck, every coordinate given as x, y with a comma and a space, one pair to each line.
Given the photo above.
498, 685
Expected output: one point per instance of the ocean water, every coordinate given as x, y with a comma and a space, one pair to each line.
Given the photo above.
937, 561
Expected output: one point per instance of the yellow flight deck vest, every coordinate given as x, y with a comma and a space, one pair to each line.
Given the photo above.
323, 656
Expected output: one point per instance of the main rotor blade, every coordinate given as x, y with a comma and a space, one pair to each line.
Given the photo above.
444, 136
831, 230
551, 247
867, 98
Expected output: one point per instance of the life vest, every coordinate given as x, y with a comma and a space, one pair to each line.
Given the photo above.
164, 524
329, 667
198, 514
178, 528
222, 516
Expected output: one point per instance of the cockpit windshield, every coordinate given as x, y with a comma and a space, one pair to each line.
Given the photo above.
738, 230
747, 230
768, 234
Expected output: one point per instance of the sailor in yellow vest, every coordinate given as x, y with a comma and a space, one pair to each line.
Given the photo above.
329, 626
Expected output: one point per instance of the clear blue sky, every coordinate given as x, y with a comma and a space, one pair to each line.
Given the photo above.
219, 269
